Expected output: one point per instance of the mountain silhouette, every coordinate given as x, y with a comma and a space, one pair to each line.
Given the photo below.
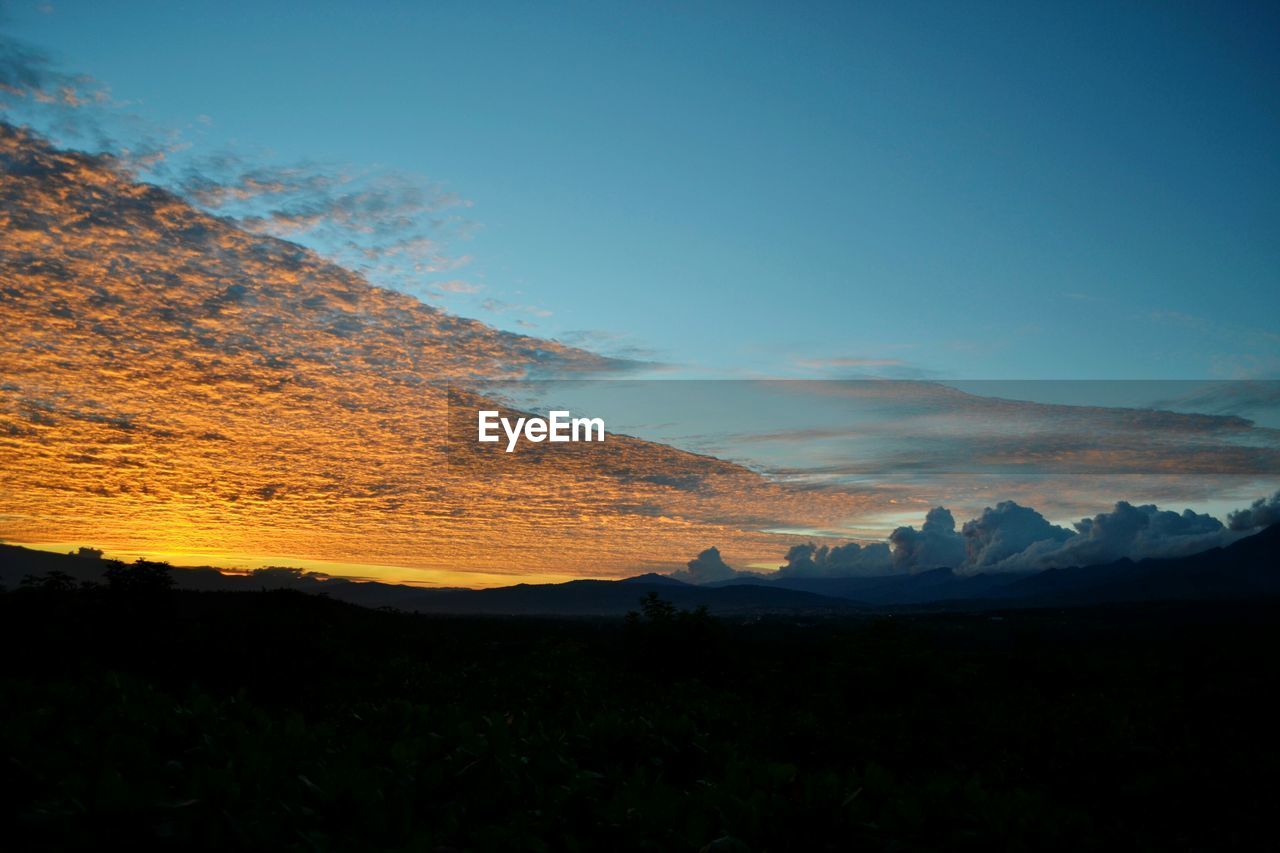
654, 579
1246, 570
918, 588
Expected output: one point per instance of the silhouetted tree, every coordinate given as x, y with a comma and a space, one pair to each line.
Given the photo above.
54, 581
657, 609
672, 641
142, 576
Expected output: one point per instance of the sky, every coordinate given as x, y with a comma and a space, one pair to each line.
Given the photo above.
1061, 219
986, 191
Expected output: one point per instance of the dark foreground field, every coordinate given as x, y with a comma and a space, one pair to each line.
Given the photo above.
278, 720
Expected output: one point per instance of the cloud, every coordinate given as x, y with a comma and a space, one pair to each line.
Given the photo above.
1004, 531
707, 567
840, 561
893, 429
29, 75
390, 226
608, 343
70, 107
498, 306
935, 545
1011, 538
393, 229
457, 285
1261, 513
1136, 532
1240, 397
174, 383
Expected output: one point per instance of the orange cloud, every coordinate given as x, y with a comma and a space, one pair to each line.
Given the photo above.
175, 385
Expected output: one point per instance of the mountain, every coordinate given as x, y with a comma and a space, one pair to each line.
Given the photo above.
655, 579
574, 598
931, 585
1246, 570
605, 598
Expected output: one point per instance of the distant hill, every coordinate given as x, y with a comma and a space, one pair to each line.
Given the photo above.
654, 578
602, 598
1247, 569
575, 598
17, 562
932, 585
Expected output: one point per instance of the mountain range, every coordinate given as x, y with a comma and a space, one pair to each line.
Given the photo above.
1245, 570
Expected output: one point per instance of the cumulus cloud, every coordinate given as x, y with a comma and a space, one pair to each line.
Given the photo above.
1261, 513
935, 545
1136, 532
1127, 531
840, 561
1005, 531
707, 567
1009, 537
1014, 538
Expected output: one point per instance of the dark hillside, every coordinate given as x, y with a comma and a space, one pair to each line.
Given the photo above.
280, 720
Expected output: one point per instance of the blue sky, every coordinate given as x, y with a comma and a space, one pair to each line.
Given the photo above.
1068, 191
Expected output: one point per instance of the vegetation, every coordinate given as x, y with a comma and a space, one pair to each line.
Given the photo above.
277, 720
142, 577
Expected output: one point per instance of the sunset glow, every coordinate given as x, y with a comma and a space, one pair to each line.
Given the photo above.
186, 390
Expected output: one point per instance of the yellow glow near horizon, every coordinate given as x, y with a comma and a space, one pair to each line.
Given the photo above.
243, 564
